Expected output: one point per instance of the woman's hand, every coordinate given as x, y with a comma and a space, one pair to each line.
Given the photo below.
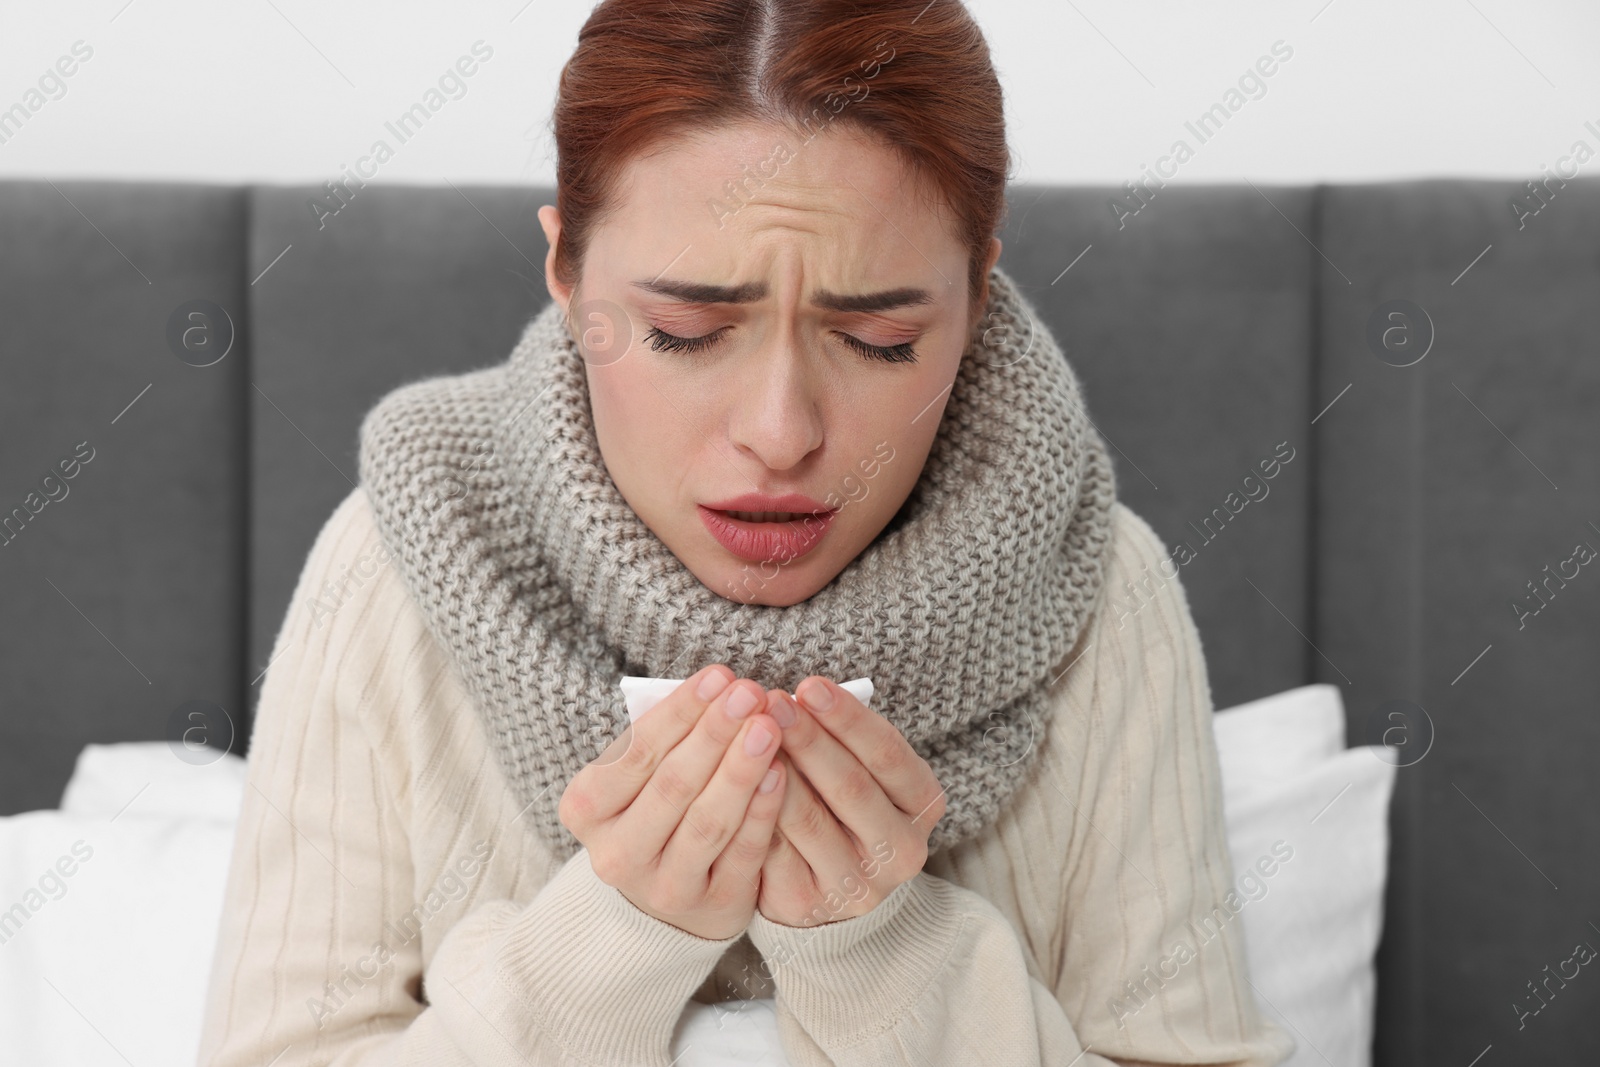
855, 818
672, 813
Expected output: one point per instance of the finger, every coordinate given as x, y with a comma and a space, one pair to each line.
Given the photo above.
713, 818
615, 777
683, 772
845, 785
906, 778
746, 854
809, 827
787, 883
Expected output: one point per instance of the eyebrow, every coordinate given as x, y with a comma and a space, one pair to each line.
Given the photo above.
706, 293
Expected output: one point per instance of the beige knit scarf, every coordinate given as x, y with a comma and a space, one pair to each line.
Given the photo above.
545, 587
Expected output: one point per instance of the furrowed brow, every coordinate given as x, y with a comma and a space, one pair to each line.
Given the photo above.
884, 301
706, 293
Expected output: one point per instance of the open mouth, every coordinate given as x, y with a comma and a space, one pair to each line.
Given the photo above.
769, 516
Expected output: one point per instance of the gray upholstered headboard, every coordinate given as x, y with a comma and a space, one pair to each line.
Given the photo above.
1210, 326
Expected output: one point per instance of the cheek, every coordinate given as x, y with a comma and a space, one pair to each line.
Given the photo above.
891, 433
623, 416
645, 437
606, 397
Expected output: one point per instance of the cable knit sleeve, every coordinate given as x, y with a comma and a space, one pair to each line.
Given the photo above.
1093, 925
334, 870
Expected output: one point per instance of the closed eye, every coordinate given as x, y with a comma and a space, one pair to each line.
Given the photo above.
901, 353
662, 341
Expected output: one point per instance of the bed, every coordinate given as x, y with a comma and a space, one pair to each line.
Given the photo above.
1423, 502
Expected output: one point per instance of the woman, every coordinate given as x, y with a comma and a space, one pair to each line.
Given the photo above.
784, 424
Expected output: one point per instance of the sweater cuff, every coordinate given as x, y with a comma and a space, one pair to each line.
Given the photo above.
847, 980
606, 980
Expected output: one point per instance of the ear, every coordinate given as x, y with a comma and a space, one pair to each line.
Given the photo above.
982, 299
988, 265
550, 222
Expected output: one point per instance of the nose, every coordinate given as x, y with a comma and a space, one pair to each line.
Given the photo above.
776, 411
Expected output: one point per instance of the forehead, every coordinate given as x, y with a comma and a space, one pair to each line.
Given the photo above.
741, 179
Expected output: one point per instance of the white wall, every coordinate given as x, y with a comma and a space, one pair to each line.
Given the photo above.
292, 91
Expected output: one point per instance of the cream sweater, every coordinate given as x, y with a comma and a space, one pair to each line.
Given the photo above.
384, 906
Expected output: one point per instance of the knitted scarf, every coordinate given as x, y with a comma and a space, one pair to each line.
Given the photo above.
545, 587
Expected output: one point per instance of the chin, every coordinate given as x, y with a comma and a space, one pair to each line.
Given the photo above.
747, 583
778, 596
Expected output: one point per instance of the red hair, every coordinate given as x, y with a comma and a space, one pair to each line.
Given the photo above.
916, 73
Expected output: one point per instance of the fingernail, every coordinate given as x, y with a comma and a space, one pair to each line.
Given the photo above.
781, 709
755, 742
741, 702
818, 696
769, 781
712, 684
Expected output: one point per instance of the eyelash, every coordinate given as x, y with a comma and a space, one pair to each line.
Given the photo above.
661, 341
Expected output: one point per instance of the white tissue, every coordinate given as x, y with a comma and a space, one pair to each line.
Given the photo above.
642, 693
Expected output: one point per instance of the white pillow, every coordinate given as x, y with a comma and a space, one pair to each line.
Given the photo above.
147, 778
1273, 739
1311, 922
125, 939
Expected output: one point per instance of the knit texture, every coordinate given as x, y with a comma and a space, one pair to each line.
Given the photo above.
546, 587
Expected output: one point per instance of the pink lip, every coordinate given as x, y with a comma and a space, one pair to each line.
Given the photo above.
764, 542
